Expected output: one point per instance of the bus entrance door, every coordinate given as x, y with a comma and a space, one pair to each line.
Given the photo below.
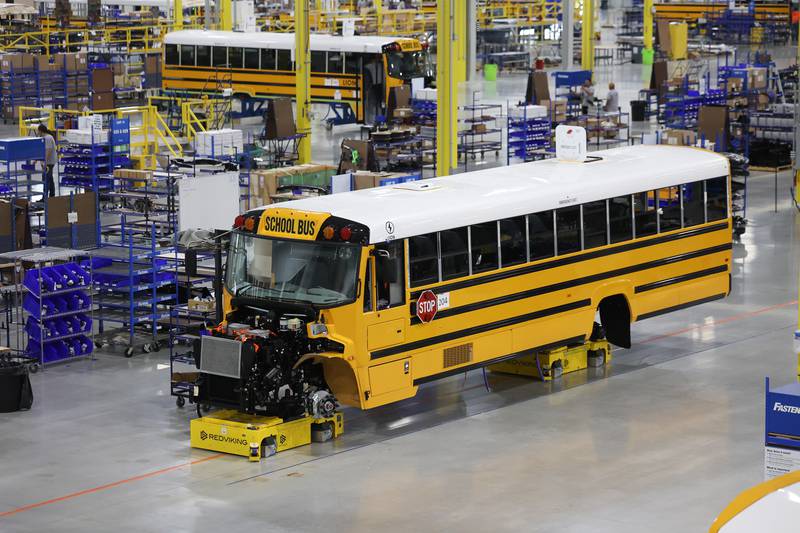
387, 316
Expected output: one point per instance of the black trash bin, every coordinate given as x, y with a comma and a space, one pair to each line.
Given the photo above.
15, 387
638, 110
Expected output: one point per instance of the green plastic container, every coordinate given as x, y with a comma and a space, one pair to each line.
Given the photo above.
490, 72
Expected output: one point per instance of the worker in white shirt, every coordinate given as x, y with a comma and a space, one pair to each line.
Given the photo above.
612, 99
50, 158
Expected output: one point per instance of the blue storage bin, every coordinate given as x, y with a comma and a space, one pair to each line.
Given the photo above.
61, 303
67, 278
77, 301
79, 273
31, 305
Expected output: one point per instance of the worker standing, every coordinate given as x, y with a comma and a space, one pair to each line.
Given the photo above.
50, 159
612, 100
587, 96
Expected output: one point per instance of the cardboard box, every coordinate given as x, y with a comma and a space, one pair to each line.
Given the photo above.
152, 64
679, 137
72, 63
43, 64
103, 101
16, 62
280, 119
102, 80
479, 128
204, 306
734, 85
757, 77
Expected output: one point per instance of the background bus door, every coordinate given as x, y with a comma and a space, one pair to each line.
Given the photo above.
374, 82
386, 318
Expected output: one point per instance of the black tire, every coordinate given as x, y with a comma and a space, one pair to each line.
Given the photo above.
556, 370
180, 401
147, 348
34, 368
596, 358
156, 346
129, 352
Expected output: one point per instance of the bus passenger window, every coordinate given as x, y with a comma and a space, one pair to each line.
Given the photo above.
367, 289
646, 216
251, 58
619, 212
568, 229
717, 199
693, 204
171, 56
187, 55
318, 62
203, 56
335, 63
352, 63
669, 217
540, 232
595, 227
285, 60
455, 253
423, 259
219, 56
389, 274
267, 59
512, 241
235, 56
484, 246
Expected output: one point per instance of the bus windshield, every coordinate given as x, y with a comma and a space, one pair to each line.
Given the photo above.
405, 65
317, 273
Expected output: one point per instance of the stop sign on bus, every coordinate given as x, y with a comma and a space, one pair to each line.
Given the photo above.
427, 305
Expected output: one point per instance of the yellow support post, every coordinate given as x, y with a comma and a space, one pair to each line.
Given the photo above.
460, 55
177, 13
302, 62
587, 36
446, 94
379, 15
648, 54
225, 15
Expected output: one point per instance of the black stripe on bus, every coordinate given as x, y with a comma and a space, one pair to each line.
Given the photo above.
316, 100
530, 351
579, 281
680, 279
211, 70
573, 259
266, 84
386, 352
686, 305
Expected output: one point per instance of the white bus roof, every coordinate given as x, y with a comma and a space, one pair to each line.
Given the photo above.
438, 204
281, 41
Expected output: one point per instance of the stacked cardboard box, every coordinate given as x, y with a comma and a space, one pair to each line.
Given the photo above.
264, 183
216, 143
102, 89
558, 109
18, 83
152, 72
75, 71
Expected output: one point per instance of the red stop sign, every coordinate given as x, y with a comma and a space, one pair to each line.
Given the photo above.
427, 305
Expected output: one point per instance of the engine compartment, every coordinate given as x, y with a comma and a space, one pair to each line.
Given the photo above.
255, 362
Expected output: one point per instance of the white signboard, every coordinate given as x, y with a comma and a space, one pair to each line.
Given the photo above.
209, 202
780, 461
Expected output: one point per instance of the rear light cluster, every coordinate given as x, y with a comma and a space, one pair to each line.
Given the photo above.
338, 230
247, 222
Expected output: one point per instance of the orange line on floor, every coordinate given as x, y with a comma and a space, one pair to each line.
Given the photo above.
108, 485
734, 318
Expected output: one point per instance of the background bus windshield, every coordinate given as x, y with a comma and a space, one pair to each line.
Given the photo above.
405, 65
306, 272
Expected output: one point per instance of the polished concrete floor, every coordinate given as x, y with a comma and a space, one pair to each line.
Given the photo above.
658, 441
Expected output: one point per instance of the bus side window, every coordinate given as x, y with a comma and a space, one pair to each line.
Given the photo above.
693, 204
219, 56
285, 60
352, 63
595, 224
423, 259
669, 217
267, 59
235, 57
455, 253
367, 288
717, 199
389, 268
484, 246
171, 56
644, 207
541, 235
335, 63
621, 217
318, 62
251, 58
568, 229
203, 56
187, 55
512, 241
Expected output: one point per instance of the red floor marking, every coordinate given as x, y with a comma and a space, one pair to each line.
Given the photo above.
108, 486
734, 318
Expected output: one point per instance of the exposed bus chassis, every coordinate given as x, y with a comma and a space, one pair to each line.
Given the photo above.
255, 363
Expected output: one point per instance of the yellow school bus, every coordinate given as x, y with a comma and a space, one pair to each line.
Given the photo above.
357, 72
364, 296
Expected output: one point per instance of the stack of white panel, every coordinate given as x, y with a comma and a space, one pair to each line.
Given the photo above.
86, 136
528, 111
216, 143
425, 94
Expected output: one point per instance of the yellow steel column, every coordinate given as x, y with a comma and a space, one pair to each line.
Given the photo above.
648, 54
587, 36
379, 15
302, 62
225, 15
460, 50
446, 138
177, 14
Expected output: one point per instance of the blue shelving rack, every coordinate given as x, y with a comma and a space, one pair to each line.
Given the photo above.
528, 138
91, 165
567, 85
21, 177
135, 284
18, 87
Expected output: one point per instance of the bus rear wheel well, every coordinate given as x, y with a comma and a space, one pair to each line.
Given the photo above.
615, 316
